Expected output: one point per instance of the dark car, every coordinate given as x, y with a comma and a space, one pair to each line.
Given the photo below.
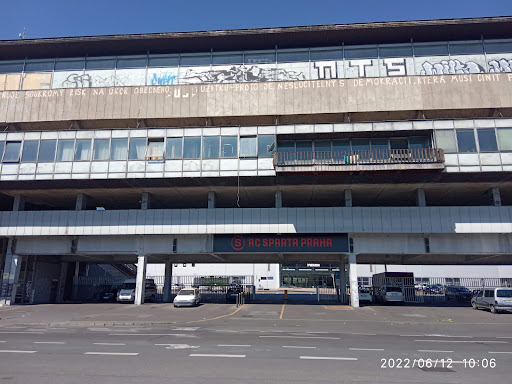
232, 291
435, 289
457, 293
110, 295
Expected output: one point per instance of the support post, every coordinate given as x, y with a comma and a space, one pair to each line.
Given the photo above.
11, 276
140, 284
62, 281
495, 196
146, 201
211, 199
354, 288
420, 198
19, 203
348, 198
278, 199
81, 202
167, 281
343, 282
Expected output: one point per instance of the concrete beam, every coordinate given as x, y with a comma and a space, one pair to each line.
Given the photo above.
348, 197
211, 199
146, 200
354, 287
140, 284
495, 196
19, 203
420, 198
81, 202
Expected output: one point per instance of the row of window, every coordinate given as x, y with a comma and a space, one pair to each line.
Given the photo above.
362, 144
194, 147
474, 140
255, 57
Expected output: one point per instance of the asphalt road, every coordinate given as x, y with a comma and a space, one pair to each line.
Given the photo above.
270, 344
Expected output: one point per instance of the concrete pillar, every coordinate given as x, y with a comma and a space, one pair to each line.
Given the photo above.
62, 281
211, 199
81, 202
343, 282
348, 198
279, 199
146, 200
10, 277
19, 203
420, 198
140, 285
354, 288
167, 281
495, 196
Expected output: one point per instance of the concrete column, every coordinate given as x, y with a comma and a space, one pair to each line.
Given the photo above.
343, 281
140, 285
62, 281
354, 288
420, 198
146, 200
211, 199
10, 277
167, 281
19, 203
279, 199
81, 202
348, 198
495, 196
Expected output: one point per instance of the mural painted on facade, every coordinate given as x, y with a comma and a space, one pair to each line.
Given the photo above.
450, 67
240, 74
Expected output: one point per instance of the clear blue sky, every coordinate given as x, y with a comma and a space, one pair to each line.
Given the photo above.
54, 18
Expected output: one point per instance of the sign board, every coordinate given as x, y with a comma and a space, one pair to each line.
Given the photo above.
286, 243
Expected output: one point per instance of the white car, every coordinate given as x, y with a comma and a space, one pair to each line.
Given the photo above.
187, 297
365, 294
127, 291
387, 294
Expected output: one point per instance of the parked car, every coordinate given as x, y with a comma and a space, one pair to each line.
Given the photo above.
187, 297
494, 299
387, 294
421, 287
457, 293
127, 291
233, 290
435, 289
365, 294
110, 295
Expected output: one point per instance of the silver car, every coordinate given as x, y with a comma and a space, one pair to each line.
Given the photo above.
494, 299
188, 297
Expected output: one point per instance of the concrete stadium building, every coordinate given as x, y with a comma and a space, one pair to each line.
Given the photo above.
381, 143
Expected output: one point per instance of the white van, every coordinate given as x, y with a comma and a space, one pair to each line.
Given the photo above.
495, 299
188, 297
127, 291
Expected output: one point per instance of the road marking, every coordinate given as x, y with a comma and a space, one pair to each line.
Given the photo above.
227, 330
338, 307
366, 349
153, 334
411, 335
464, 341
328, 358
468, 337
31, 332
215, 318
112, 353
213, 355
3, 341
365, 334
314, 332
15, 351
297, 346
109, 343
500, 352
304, 337
233, 345
49, 342
433, 351
282, 311
504, 337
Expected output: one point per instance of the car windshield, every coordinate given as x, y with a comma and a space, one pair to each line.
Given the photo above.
128, 286
186, 292
393, 289
504, 293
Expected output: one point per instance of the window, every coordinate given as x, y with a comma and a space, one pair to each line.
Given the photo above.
189, 60
327, 54
377, 144
494, 46
489, 293
445, 139
505, 139
131, 62
399, 143
266, 145
395, 50
119, 149
341, 145
304, 146
70, 64
193, 265
137, 148
155, 149
248, 146
174, 148
260, 57
100, 63
229, 146
227, 58
361, 53
163, 61
419, 142
12, 152
360, 144
39, 65
83, 149
184, 265
431, 49
2, 146
192, 148
292, 55
11, 66
466, 48
101, 149
211, 147
65, 150
487, 140
29, 152
466, 140
47, 151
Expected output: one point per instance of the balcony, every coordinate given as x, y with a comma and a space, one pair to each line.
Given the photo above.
371, 160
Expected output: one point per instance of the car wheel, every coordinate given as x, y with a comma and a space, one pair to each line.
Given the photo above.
473, 304
493, 309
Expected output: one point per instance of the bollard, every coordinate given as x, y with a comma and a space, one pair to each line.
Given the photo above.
286, 294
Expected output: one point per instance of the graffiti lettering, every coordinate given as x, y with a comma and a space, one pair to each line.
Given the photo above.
502, 65
77, 81
395, 67
240, 74
326, 69
451, 67
361, 64
163, 79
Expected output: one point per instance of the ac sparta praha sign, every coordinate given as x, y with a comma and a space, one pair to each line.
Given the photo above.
261, 243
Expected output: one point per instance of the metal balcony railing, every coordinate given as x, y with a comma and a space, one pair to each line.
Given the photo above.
371, 157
